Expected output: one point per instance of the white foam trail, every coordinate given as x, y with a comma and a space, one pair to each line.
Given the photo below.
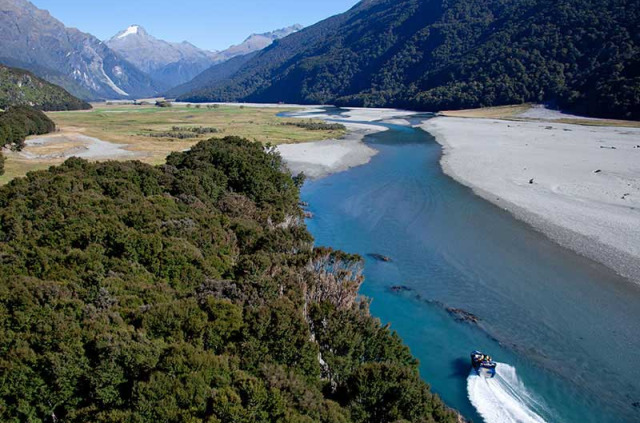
504, 398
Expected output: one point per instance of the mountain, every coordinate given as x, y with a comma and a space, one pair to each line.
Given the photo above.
582, 55
170, 64
81, 63
231, 60
256, 42
216, 73
22, 88
173, 64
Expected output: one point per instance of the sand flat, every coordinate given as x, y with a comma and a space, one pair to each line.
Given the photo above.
580, 185
63, 146
322, 158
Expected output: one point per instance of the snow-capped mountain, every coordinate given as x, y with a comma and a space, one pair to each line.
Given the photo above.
32, 39
169, 63
173, 64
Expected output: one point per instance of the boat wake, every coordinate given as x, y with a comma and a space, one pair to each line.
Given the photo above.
504, 398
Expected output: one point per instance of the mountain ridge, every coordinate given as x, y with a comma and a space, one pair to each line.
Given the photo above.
22, 88
233, 59
176, 63
434, 55
80, 62
168, 63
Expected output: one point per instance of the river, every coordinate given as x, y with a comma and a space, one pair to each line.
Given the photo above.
565, 330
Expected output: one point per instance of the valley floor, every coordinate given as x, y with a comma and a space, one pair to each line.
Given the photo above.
578, 184
123, 131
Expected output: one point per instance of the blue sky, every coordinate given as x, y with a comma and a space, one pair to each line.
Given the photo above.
212, 24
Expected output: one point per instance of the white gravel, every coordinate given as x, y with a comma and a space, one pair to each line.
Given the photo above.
89, 148
321, 158
580, 185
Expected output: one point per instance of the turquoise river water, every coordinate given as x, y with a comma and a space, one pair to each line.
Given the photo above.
565, 330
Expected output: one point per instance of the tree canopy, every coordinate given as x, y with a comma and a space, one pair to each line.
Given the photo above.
188, 292
22, 88
17, 123
433, 55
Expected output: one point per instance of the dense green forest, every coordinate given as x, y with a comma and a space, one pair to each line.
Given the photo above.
21, 88
581, 55
17, 123
188, 292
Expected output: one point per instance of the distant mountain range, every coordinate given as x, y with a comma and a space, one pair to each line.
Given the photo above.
256, 42
583, 55
132, 64
21, 88
215, 74
172, 64
31, 38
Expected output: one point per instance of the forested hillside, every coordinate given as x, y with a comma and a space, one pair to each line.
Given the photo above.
581, 55
213, 75
17, 123
21, 88
187, 292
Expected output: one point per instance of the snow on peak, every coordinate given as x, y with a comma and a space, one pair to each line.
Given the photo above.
132, 30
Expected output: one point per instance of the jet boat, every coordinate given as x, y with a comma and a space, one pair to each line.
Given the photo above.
483, 364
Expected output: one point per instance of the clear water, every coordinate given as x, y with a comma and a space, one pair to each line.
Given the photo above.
565, 329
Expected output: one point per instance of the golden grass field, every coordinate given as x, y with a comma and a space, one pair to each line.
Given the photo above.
500, 112
131, 125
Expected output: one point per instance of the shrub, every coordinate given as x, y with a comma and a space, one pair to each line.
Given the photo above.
19, 122
316, 125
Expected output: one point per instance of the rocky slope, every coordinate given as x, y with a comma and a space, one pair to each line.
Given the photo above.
256, 42
22, 88
170, 64
231, 60
174, 64
79, 62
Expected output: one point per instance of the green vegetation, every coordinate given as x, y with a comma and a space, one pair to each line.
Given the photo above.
312, 125
131, 125
182, 133
582, 55
21, 88
17, 123
187, 292
163, 103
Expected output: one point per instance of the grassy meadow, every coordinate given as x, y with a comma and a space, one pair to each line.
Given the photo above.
146, 131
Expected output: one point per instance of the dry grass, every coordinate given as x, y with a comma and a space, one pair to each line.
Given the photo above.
131, 125
500, 112
514, 112
128, 124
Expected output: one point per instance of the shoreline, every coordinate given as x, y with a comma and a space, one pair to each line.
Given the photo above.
318, 159
579, 190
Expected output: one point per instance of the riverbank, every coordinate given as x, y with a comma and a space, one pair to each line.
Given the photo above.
321, 158
579, 185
